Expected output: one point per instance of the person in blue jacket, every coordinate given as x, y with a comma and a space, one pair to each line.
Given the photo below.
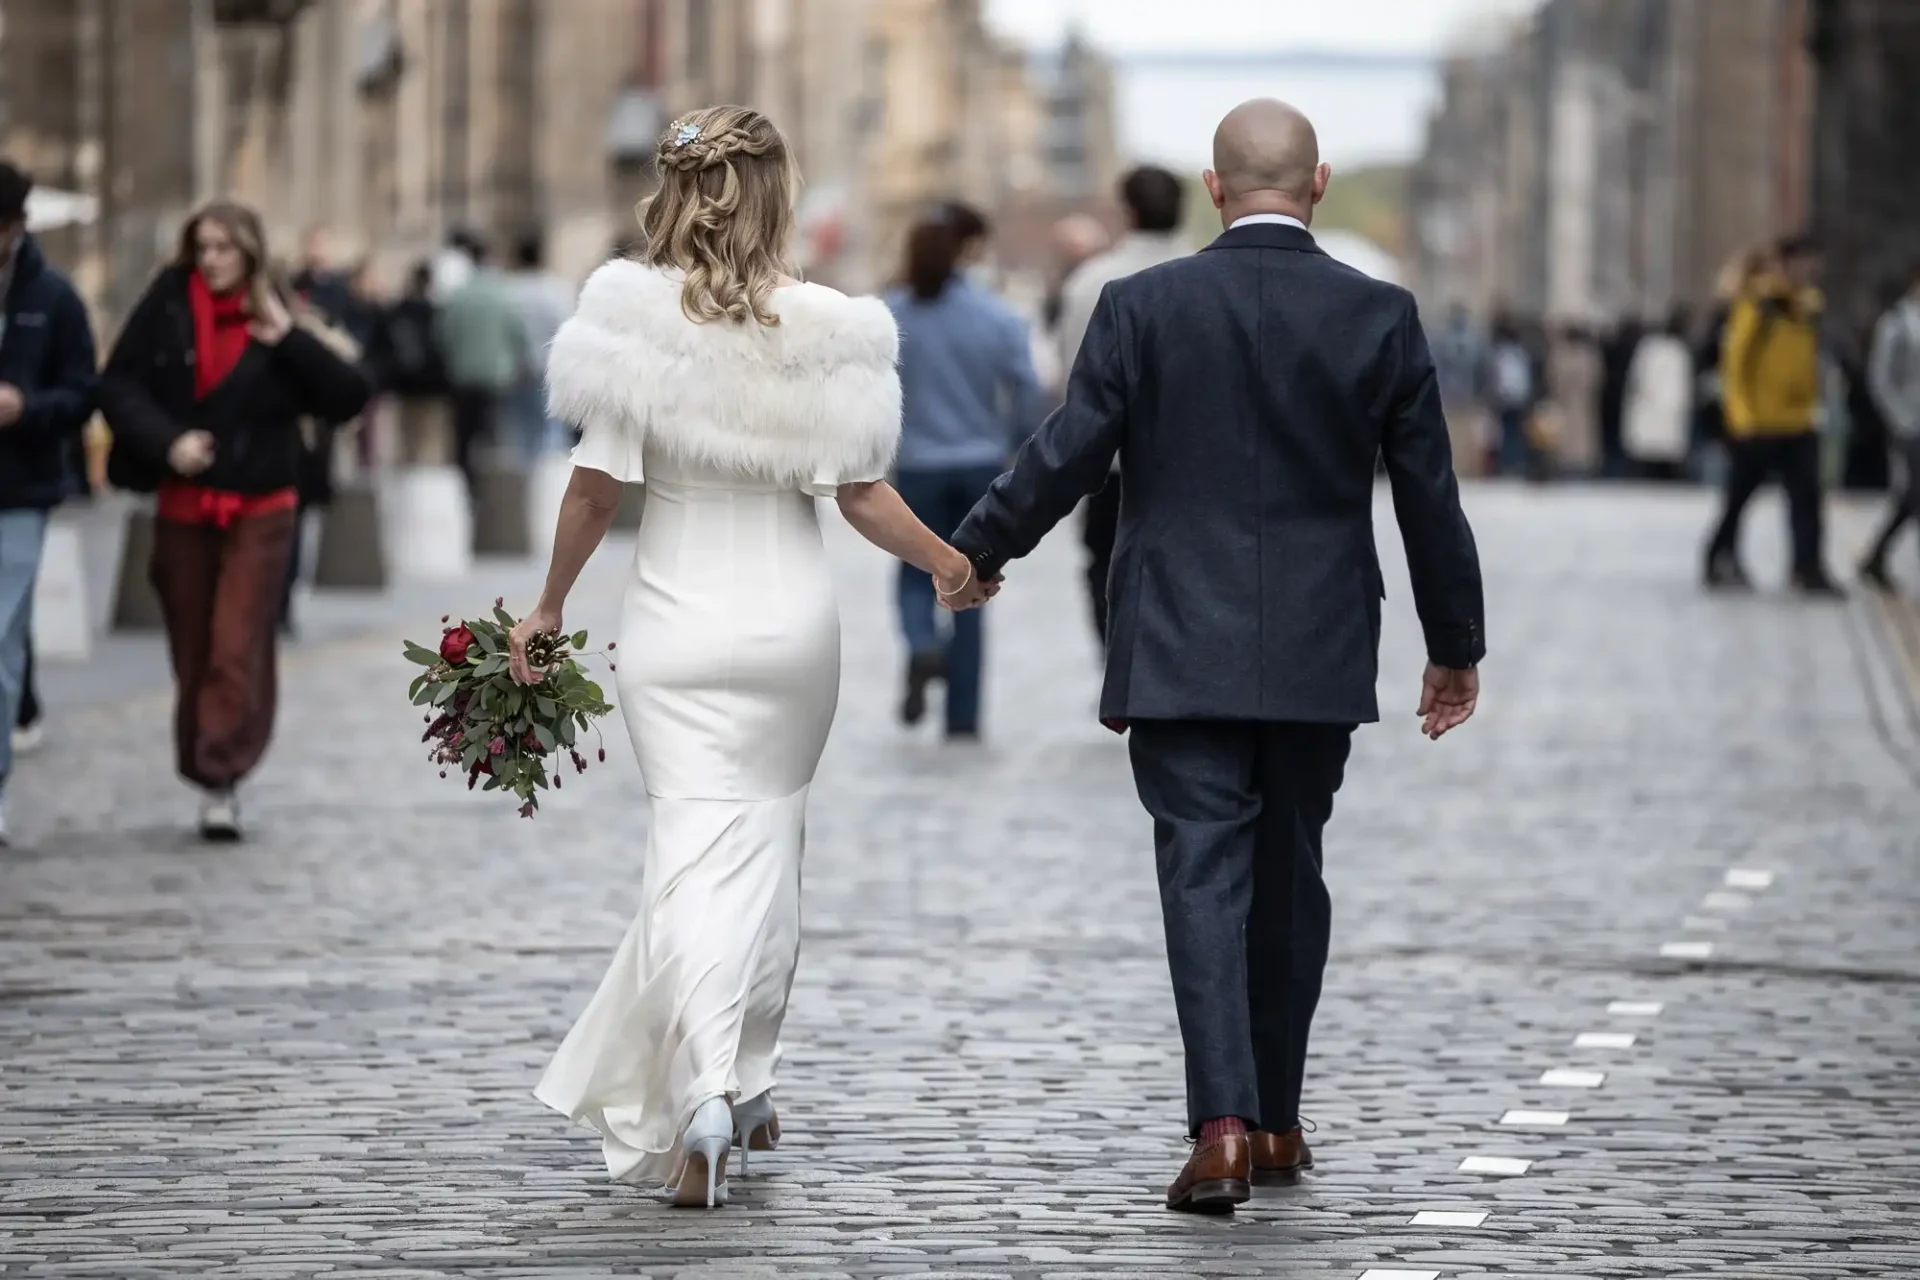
47, 373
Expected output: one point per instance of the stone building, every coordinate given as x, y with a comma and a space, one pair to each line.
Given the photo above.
395, 122
1606, 160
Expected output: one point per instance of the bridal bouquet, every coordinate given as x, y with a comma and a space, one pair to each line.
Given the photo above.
484, 723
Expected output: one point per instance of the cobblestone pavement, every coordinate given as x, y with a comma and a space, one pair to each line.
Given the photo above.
312, 1054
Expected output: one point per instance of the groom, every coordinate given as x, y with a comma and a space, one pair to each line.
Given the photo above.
1249, 390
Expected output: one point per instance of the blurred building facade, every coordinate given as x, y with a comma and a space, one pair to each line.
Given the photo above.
1612, 155
395, 122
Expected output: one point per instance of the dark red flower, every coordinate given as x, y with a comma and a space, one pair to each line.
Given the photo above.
499, 601
611, 646
454, 645
498, 747
526, 810
530, 741
603, 755
556, 782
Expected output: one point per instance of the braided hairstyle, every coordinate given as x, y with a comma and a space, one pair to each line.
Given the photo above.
723, 216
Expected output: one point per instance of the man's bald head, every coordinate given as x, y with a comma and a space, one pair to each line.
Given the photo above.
1266, 145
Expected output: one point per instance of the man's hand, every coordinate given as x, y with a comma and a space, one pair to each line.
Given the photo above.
12, 404
191, 454
1447, 698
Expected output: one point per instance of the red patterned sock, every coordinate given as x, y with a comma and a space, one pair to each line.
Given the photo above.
1214, 1130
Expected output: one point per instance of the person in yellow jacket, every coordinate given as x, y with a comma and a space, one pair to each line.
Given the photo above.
1770, 380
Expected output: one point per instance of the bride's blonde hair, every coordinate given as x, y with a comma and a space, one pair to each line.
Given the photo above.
723, 216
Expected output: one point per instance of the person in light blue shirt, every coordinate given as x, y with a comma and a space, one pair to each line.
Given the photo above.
971, 398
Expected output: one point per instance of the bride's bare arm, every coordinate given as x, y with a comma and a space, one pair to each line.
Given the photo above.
882, 517
586, 512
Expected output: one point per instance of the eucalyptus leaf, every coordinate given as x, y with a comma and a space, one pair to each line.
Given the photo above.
425, 657
578, 640
443, 693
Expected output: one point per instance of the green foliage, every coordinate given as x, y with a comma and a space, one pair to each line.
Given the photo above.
489, 726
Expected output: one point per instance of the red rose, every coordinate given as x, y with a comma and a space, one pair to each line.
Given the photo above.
454, 645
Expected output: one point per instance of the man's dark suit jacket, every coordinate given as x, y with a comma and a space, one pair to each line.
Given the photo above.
1249, 390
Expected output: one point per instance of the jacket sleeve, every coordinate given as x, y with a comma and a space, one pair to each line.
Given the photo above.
63, 405
1441, 556
1067, 458
125, 399
1737, 362
331, 388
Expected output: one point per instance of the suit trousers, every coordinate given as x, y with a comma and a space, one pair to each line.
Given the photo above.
1238, 810
220, 593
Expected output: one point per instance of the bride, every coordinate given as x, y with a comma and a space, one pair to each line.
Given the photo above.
737, 395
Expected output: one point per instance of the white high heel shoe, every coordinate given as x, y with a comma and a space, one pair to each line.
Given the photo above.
703, 1156
756, 1127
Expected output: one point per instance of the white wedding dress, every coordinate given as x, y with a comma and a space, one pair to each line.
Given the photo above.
729, 673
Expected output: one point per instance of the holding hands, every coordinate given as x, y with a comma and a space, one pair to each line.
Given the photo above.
958, 587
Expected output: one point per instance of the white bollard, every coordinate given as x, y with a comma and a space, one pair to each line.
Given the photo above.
430, 523
61, 627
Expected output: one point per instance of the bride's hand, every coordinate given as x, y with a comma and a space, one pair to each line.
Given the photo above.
541, 620
958, 589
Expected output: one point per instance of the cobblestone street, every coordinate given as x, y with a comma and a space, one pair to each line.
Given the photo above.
1624, 980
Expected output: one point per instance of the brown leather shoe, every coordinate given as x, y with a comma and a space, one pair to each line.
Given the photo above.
1218, 1176
1280, 1158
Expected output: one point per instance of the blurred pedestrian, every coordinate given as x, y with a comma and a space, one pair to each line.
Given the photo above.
46, 397
1657, 404
970, 398
1893, 380
483, 342
404, 358
454, 264
545, 302
1710, 414
976, 239
1155, 201
318, 281
1460, 353
1575, 374
1770, 381
1512, 388
206, 390
1616, 352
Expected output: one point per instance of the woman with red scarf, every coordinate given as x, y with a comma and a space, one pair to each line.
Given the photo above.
207, 391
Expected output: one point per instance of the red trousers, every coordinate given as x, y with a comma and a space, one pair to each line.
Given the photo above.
220, 590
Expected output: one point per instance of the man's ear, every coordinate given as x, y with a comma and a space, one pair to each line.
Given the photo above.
1322, 175
1215, 189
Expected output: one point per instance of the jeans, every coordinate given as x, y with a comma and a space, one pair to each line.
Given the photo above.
476, 424
23, 534
533, 431
942, 500
1795, 459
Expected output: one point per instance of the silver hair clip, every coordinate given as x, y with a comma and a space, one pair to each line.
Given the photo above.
684, 134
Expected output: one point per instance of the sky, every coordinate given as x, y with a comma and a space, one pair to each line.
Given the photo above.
1374, 26
1363, 116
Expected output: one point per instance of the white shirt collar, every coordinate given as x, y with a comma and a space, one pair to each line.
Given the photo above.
1276, 219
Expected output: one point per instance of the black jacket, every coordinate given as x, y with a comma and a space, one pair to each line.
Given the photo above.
147, 395
1248, 390
404, 354
47, 352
